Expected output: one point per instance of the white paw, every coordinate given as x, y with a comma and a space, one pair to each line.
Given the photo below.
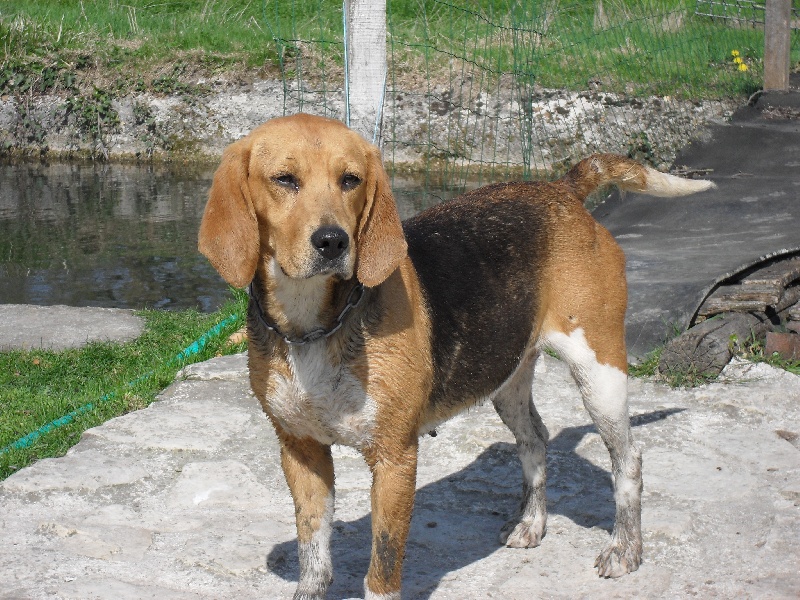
525, 533
618, 560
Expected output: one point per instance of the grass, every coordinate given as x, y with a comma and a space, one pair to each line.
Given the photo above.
752, 350
38, 386
640, 48
636, 48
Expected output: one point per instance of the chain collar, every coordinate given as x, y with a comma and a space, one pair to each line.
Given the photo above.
353, 299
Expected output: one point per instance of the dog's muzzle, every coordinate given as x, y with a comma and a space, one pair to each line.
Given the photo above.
331, 244
330, 241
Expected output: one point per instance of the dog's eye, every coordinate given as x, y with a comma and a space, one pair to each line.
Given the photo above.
350, 182
287, 181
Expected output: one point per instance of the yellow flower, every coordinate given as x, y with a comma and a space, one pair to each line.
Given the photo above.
734, 53
738, 60
743, 67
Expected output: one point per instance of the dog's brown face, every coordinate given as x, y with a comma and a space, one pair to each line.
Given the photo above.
310, 190
310, 195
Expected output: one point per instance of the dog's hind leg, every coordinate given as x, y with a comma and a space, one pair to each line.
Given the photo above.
514, 404
308, 466
603, 382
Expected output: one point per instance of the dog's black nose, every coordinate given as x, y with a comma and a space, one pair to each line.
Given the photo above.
330, 241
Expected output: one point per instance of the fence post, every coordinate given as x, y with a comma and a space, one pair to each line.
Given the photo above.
776, 44
365, 46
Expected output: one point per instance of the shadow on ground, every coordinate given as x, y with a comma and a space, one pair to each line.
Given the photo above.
457, 519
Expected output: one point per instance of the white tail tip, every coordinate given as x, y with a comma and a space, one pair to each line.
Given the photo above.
666, 185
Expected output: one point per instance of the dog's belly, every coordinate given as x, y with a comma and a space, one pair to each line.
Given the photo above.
321, 400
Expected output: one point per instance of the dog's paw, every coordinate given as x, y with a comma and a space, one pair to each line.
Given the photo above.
522, 533
310, 592
618, 560
303, 595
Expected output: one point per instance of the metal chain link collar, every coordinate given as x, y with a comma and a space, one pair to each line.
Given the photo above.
316, 334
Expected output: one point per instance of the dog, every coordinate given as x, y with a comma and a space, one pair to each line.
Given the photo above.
369, 332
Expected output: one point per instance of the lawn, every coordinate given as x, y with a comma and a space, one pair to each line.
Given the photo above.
47, 399
653, 47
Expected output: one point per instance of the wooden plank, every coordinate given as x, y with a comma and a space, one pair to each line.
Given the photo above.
711, 307
366, 65
777, 45
739, 298
769, 295
780, 273
755, 292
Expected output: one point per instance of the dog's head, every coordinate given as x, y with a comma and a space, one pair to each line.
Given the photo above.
308, 193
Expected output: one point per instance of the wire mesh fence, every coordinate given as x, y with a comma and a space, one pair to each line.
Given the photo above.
482, 90
740, 12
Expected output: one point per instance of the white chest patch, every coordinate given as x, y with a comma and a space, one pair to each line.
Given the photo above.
322, 400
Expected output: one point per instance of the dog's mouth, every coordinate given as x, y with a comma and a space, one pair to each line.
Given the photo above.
340, 269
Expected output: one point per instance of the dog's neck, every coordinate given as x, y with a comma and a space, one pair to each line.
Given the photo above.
299, 306
300, 302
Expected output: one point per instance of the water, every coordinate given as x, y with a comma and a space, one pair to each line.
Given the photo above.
121, 236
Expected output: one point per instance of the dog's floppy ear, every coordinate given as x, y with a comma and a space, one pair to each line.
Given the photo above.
381, 245
229, 230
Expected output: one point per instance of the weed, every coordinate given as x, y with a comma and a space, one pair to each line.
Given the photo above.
94, 116
648, 367
641, 149
143, 116
32, 130
753, 349
169, 84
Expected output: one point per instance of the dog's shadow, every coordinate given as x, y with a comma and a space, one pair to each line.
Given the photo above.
457, 519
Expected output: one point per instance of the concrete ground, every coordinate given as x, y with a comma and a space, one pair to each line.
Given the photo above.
678, 249
186, 499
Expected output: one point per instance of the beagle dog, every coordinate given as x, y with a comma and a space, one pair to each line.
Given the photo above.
369, 332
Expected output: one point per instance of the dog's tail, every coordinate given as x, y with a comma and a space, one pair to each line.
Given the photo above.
606, 169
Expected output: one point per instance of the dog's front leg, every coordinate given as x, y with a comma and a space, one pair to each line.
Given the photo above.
308, 467
394, 476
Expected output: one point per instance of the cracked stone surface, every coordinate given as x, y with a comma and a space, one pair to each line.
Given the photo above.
186, 499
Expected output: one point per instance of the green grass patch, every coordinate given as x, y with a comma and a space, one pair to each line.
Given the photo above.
754, 351
658, 47
101, 380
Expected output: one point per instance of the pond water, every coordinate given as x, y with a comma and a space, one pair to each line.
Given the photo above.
121, 236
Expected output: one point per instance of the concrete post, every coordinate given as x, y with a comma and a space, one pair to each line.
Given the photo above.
777, 44
365, 23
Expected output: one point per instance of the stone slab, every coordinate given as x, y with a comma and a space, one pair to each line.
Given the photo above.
27, 327
141, 508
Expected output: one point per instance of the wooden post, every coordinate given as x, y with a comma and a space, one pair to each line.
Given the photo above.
776, 44
365, 23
